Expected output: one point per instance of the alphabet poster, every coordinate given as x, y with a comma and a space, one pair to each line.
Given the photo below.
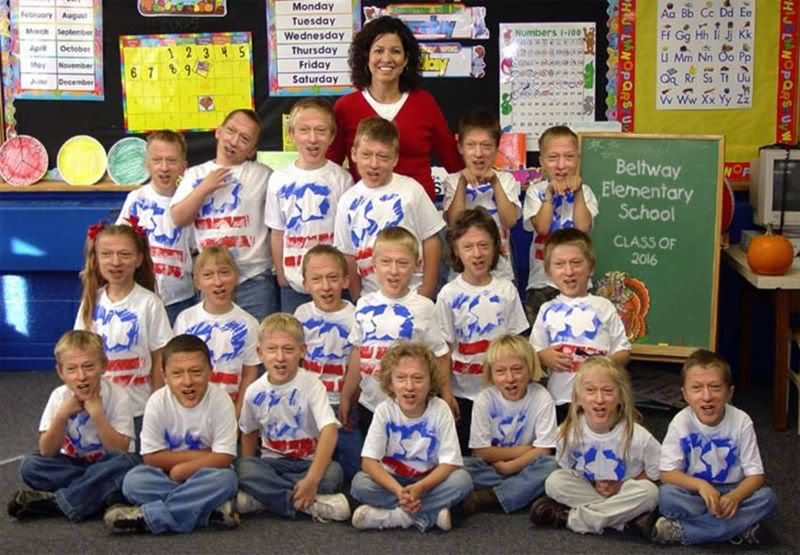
308, 45
705, 54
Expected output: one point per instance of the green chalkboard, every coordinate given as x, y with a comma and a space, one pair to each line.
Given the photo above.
657, 235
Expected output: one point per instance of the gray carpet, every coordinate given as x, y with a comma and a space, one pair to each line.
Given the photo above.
24, 394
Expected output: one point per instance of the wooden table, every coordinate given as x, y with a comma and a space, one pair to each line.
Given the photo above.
782, 288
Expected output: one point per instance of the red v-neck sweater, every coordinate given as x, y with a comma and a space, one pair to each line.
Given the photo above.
422, 128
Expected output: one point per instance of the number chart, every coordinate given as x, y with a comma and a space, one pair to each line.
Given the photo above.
185, 82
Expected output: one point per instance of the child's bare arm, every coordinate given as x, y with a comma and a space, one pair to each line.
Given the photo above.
443, 364
249, 375
543, 219
706, 490
580, 212
305, 491
506, 209
249, 443
431, 257
459, 202
375, 470
350, 388
111, 439
157, 370
186, 469
493, 455
51, 440
276, 248
620, 358
436, 477
166, 459
184, 212
729, 503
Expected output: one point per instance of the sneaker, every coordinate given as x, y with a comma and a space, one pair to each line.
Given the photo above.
224, 516
667, 530
547, 512
479, 501
749, 536
367, 517
33, 503
246, 503
330, 507
643, 525
125, 519
443, 520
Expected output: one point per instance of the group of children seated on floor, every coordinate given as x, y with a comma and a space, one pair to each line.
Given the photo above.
385, 395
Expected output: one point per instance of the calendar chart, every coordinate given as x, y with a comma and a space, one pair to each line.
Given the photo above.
185, 82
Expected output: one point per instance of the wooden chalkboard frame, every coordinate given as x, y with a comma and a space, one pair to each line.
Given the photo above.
666, 352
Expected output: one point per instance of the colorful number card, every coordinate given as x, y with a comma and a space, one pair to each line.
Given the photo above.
547, 76
705, 55
183, 8
58, 49
184, 82
308, 44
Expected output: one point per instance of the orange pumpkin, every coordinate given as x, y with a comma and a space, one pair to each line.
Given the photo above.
770, 255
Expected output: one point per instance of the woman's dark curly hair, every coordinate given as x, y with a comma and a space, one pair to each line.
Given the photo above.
359, 52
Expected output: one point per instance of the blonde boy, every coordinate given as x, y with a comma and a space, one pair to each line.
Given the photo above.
383, 199
85, 436
713, 483
288, 409
302, 198
396, 312
170, 245
559, 201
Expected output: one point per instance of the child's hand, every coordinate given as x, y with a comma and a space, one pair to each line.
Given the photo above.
504, 468
607, 488
570, 183
474, 178
216, 179
304, 494
410, 498
344, 414
711, 496
181, 472
727, 506
70, 406
94, 404
555, 360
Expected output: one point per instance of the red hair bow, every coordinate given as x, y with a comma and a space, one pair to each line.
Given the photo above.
133, 221
95, 229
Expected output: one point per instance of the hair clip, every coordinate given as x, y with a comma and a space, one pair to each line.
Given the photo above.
133, 221
95, 229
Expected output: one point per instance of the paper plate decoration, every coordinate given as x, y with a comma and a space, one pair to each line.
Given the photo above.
23, 160
82, 160
126, 161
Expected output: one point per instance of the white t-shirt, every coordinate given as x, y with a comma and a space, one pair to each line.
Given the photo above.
302, 204
170, 245
289, 417
387, 110
563, 206
169, 426
412, 447
470, 317
497, 422
131, 329
724, 454
233, 216
483, 195
601, 456
232, 339
580, 327
327, 345
364, 212
81, 439
380, 321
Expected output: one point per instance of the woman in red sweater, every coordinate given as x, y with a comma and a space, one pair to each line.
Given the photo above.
385, 68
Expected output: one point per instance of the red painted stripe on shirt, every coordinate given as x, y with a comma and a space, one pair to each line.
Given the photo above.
316, 367
474, 348
167, 253
120, 364
402, 469
472, 369
224, 377
295, 448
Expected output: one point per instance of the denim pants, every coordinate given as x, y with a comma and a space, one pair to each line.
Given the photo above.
171, 506
176, 308
348, 448
516, 491
700, 526
444, 496
272, 481
257, 296
291, 299
591, 512
81, 487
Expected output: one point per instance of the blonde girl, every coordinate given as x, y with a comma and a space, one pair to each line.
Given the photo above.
230, 333
513, 434
608, 461
119, 303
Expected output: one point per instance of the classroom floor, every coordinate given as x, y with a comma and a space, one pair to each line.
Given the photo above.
24, 395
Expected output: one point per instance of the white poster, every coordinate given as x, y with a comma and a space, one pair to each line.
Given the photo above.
547, 76
705, 54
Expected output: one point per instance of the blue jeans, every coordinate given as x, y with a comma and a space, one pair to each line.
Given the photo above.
348, 448
176, 308
81, 487
700, 526
178, 506
258, 296
444, 496
516, 491
291, 299
272, 481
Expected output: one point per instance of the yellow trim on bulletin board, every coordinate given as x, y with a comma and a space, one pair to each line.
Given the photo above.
745, 130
